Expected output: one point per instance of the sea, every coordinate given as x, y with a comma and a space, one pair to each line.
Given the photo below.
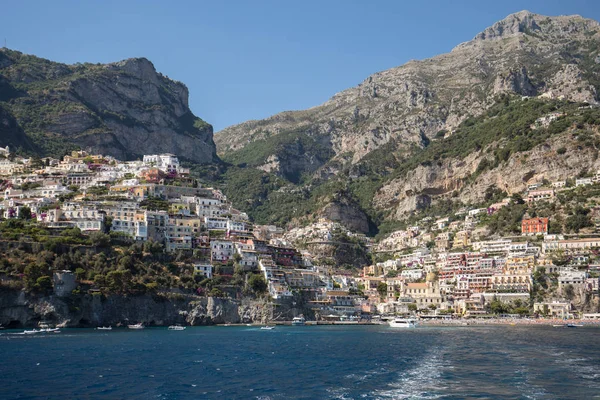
304, 362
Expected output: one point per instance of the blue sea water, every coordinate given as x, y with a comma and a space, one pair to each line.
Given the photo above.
325, 362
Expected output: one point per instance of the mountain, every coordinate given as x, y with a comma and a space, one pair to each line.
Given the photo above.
414, 135
124, 109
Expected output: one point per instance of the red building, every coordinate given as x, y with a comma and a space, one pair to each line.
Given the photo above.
532, 226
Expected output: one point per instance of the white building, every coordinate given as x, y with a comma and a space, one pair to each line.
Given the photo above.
583, 181
164, 162
221, 250
203, 269
215, 223
572, 277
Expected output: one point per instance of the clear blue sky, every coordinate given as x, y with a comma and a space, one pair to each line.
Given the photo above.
250, 59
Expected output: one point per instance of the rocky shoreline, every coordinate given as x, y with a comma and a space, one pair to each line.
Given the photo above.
19, 309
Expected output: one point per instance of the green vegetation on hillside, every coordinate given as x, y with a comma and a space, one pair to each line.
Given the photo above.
504, 130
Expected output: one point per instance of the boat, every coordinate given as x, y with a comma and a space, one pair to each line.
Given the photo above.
176, 328
136, 326
104, 328
50, 330
403, 323
44, 330
298, 321
559, 326
267, 328
574, 326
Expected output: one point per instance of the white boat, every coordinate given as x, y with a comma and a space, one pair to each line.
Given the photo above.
104, 328
136, 326
298, 321
267, 328
403, 323
45, 330
176, 328
50, 330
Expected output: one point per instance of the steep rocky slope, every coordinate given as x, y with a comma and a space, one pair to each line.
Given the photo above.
21, 309
124, 109
382, 142
526, 54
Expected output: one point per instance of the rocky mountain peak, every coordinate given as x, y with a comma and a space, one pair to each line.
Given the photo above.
140, 67
124, 109
521, 22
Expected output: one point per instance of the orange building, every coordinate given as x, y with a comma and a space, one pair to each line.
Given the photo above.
532, 226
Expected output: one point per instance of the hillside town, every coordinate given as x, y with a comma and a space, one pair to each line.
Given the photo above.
437, 268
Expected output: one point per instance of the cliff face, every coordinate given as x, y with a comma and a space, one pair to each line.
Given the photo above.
124, 109
365, 137
20, 309
526, 54
514, 176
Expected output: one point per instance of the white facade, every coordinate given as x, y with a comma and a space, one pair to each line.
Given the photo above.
203, 269
164, 162
221, 250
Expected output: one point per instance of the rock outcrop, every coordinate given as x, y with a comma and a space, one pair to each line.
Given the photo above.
346, 213
124, 109
420, 98
450, 178
372, 129
20, 309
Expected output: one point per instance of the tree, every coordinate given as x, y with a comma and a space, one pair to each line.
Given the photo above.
521, 310
412, 307
569, 292
153, 247
578, 220
258, 284
498, 307
382, 288
216, 292
99, 239
32, 272
517, 198
80, 273
119, 281
36, 162
43, 283
24, 213
100, 280
108, 224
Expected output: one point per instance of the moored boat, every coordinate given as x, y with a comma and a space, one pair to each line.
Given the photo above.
50, 330
403, 323
267, 328
104, 328
136, 326
44, 330
176, 328
298, 321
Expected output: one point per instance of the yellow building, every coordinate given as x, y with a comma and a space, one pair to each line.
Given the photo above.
519, 265
462, 239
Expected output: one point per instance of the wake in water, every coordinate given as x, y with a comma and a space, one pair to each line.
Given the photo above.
422, 381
